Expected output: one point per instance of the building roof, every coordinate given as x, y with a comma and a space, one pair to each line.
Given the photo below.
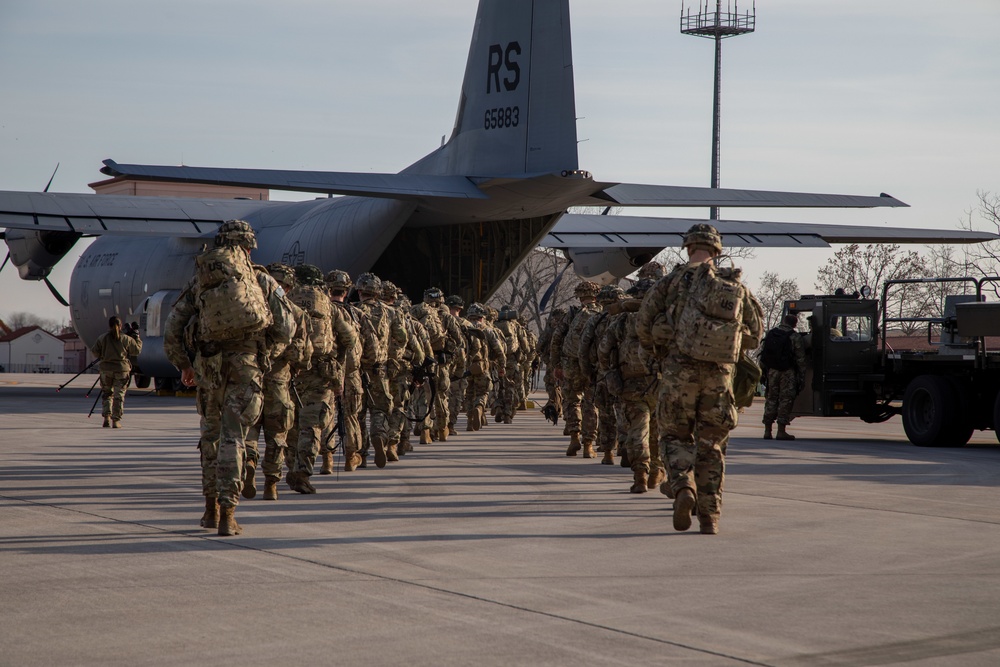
23, 331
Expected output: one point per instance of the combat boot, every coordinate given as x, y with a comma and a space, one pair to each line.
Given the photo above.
292, 479
709, 525
401, 448
469, 425
327, 468
210, 519
451, 430
566, 430
107, 422
609, 458
352, 462
767, 430
666, 489
574, 444
380, 457
442, 435
683, 504
117, 423
270, 487
783, 434
625, 461
249, 482
391, 453
425, 436
588, 450
302, 484
227, 521
656, 477
364, 460
639, 481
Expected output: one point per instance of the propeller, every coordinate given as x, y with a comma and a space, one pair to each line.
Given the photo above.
56, 293
49, 184
552, 289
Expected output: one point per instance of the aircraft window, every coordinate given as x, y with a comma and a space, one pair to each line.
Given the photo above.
851, 328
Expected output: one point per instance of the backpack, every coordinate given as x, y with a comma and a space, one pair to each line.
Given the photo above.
510, 337
431, 320
778, 352
746, 379
710, 327
319, 311
231, 303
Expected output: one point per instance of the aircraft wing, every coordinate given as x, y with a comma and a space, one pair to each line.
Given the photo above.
634, 194
396, 186
622, 231
101, 214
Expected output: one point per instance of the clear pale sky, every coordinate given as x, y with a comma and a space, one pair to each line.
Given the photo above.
842, 96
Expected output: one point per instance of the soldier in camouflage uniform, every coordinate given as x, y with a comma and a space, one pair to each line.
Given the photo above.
508, 393
632, 375
784, 384
484, 348
610, 299
394, 366
338, 283
418, 350
378, 399
332, 338
696, 312
229, 377
651, 270
459, 364
529, 362
278, 414
579, 410
114, 351
553, 408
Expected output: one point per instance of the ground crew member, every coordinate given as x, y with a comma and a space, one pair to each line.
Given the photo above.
113, 349
783, 359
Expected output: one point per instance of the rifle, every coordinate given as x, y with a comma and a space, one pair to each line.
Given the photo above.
295, 392
94, 406
89, 366
421, 374
340, 428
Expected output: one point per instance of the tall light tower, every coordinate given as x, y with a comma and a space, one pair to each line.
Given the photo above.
717, 25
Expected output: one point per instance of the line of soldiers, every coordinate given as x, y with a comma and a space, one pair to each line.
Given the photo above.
649, 373
281, 350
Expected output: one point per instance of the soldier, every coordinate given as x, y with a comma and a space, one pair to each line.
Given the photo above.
459, 364
446, 359
332, 338
394, 366
232, 316
553, 408
278, 414
508, 395
579, 410
338, 283
114, 349
610, 299
483, 344
418, 351
783, 360
631, 374
651, 270
529, 362
430, 316
697, 320
378, 399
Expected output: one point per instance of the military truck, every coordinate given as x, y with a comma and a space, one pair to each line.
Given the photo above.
943, 391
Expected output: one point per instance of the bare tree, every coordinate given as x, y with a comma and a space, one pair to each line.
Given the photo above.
528, 283
20, 320
772, 294
854, 266
983, 259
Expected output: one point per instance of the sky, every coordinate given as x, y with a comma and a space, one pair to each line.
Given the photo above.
840, 96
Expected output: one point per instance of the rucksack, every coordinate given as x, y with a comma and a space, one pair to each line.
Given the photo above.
319, 312
710, 326
778, 352
431, 320
231, 302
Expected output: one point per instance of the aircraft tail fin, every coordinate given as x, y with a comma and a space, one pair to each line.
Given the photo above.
517, 112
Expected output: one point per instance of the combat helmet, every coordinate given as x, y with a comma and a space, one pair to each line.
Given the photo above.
638, 290
283, 273
610, 294
651, 269
389, 291
338, 279
433, 295
586, 288
369, 283
455, 301
476, 312
236, 233
507, 313
307, 274
704, 235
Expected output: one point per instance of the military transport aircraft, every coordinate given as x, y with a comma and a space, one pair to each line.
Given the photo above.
461, 218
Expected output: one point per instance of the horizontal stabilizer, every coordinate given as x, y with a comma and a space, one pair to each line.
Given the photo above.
102, 214
634, 194
396, 186
621, 231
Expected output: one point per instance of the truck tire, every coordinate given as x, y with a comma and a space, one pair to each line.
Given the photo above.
932, 416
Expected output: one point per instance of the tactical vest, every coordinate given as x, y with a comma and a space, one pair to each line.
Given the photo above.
710, 326
231, 303
314, 301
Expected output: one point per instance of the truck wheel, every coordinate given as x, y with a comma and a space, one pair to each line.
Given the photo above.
931, 413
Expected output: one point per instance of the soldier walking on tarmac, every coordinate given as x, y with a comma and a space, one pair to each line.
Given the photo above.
114, 349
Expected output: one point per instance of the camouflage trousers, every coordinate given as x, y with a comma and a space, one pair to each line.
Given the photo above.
639, 403
456, 399
781, 392
507, 392
229, 402
478, 391
527, 381
607, 419
421, 405
276, 420
399, 385
351, 403
376, 407
553, 390
439, 413
315, 418
579, 409
696, 412
113, 386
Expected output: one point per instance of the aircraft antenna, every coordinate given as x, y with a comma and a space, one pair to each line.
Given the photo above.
717, 25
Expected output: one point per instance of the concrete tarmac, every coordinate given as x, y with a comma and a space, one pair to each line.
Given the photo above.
848, 546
